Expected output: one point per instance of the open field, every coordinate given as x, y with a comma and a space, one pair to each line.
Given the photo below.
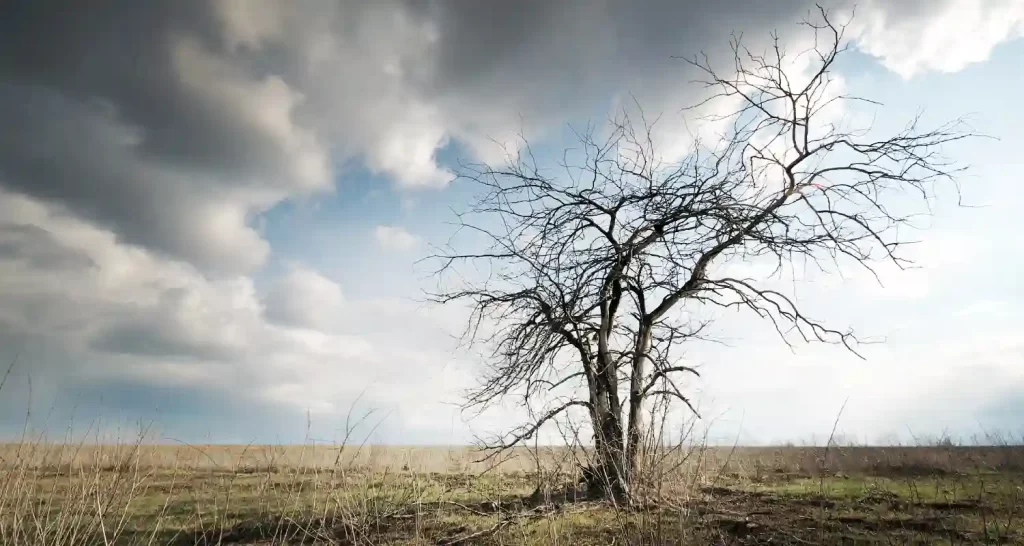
748, 461
54, 494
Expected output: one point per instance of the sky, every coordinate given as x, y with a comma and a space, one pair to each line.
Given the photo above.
213, 214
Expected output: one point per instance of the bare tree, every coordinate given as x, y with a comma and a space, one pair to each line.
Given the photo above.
594, 276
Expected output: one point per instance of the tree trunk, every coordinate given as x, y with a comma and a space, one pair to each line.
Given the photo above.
608, 478
636, 397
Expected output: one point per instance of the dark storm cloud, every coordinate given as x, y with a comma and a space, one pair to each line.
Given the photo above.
174, 123
538, 43
70, 154
123, 55
564, 59
105, 111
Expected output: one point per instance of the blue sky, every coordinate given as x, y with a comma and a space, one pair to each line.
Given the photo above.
212, 214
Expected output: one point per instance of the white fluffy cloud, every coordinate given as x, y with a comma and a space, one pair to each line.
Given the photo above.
395, 238
943, 36
304, 298
124, 313
359, 80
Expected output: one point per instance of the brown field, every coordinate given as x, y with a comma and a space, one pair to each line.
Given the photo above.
177, 495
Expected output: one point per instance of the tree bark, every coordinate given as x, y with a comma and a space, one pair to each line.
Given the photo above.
636, 398
609, 477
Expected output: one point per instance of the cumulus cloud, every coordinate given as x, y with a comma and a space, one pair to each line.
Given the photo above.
219, 111
913, 37
123, 314
165, 142
304, 298
395, 238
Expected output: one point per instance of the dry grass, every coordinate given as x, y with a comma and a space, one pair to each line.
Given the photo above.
371, 458
64, 494
746, 461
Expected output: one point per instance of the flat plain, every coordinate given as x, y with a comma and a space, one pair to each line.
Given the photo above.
184, 495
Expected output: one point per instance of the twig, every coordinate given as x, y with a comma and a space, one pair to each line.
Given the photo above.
534, 513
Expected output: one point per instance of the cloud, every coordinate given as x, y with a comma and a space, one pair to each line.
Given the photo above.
242, 105
304, 298
119, 313
911, 38
177, 156
360, 81
395, 238
37, 246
